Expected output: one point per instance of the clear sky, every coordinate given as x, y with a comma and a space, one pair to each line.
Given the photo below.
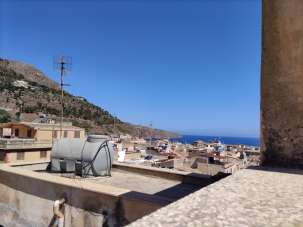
187, 66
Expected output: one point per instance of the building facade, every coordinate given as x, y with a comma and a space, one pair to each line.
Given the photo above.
30, 142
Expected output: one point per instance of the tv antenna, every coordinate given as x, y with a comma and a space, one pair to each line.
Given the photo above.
62, 64
114, 116
150, 126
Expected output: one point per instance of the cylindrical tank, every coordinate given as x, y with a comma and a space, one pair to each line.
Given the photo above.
92, 156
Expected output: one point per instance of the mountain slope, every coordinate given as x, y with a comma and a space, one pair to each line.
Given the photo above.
24, 89
30, 73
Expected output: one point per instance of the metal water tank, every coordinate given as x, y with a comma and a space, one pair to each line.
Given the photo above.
91, 156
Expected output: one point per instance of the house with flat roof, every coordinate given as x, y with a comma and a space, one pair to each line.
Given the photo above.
29, 141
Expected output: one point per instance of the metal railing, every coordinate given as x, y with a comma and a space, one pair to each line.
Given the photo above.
17, 143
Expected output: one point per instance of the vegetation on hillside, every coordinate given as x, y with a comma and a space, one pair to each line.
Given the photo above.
4, 116
28, 96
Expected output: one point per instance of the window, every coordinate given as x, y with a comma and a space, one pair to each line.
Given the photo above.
29, 133
43, 154
77, 134
65, 134
20, 155
55, 134
16, 132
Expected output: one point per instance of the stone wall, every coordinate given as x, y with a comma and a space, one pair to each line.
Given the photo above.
282, 84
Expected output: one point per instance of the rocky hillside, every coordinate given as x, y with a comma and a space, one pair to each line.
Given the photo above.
30, 73
25, 91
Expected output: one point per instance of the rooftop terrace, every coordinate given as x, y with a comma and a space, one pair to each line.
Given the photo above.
160, 197
130, 193
250, 197
152, 185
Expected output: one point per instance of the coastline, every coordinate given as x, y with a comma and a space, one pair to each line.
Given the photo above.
249, 141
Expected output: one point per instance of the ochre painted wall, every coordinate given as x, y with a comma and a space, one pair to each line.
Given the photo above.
43, 135
70, 133
22, 130
29, 156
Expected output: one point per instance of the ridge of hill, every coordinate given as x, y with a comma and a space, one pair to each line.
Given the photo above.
25, 91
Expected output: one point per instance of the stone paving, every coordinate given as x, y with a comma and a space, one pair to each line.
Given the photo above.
247, 198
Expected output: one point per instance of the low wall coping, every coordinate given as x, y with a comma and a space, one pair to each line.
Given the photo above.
86, 185
250, 197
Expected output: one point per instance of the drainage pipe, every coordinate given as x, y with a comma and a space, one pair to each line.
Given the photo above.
58, 213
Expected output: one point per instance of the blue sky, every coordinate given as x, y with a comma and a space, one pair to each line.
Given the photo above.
186, 66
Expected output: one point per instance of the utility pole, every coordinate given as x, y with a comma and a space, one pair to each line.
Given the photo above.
63, 64
114, 122
150, 139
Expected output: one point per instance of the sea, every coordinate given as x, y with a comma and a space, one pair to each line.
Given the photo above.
249, 141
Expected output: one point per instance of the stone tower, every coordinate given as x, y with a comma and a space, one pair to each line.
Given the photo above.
282, 84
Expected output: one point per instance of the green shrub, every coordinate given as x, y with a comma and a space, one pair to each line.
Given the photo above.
4, 116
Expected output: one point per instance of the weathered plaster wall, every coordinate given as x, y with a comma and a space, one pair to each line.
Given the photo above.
282, 83
47, 134
27, 200
22, 130
29, 156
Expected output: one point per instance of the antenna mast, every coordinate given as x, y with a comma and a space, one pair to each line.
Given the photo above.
151, 126
63, 64
114, 123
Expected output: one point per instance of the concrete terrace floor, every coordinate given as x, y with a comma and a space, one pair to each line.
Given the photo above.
152, 185
147, 184
250, 197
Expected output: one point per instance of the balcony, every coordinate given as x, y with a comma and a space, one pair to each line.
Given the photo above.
17, 143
